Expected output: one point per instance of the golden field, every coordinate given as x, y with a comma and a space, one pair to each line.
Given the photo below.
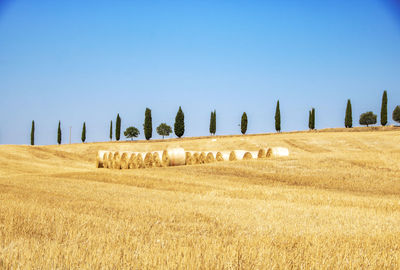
334, 203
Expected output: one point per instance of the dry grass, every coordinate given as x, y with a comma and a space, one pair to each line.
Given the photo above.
334, 203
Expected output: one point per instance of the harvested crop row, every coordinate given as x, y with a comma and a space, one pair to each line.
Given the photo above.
178, 157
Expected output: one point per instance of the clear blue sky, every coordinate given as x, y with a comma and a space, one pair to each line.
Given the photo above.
78, 61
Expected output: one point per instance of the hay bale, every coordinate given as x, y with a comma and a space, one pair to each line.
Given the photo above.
202, 158
100, 159
125, 160
148, 160
110, 159
188, 158
261, 153
176, 156
105, 160
210, 158
232, 156
269, 152
280, 152
219, 157
156, 159
139, 161
196, 158
116, 163
165, 159
247, 156
132, 161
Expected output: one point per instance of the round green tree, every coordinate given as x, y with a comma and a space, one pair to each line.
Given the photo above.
164, 130
131, 132
368, 118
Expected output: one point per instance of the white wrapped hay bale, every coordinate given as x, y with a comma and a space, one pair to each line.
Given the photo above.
279, 152
177, 156
100, 158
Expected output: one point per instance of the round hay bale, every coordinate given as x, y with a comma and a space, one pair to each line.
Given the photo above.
165, 159
219, 157
148, 160
188, 158
247, 156
196, 158
156, 159
202, 158
210, 158
110, 160
261, 153
176, 156
105, 160
269, 152
139, 161
232, 156
125, 160
100, 159
132, 161
116, 163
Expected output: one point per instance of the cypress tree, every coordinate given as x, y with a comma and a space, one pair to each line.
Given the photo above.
348, 121
384, 109
118, 128
33, 133
243, 123
83, 137
59, 133
396, 114
215, 122
211, 123
179, 126
313, 118
148, 124
277, 118
111, 131
309, 120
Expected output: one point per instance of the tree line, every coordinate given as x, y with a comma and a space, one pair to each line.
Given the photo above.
367, 118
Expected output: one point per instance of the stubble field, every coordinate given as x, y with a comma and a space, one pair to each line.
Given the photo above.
334, 203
